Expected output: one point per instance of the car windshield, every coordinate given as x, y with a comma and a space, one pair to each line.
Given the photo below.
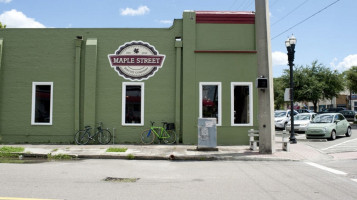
279, 114
323, 119
302, 117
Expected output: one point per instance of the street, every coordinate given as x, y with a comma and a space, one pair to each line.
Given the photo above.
334, 176
341, 144
175, 180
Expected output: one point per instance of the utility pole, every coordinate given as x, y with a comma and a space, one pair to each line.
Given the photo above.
265, 97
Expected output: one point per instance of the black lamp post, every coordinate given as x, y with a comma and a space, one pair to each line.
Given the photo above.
290, 46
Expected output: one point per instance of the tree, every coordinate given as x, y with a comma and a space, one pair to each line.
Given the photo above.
278, 93
351, 77
351, 81
314, 83
2, 26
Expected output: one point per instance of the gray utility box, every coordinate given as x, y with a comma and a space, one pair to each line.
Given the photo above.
207, 133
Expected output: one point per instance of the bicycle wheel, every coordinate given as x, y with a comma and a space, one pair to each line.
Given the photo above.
169, 136
81, 137
104, 136
147, 137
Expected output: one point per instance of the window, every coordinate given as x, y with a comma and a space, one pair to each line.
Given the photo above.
341, 117
210, 101
42, 101
241, 104
133, 104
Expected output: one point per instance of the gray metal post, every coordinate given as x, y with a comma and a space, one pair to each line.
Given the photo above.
265, 97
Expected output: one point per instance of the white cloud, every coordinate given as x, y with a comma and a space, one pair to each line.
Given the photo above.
5, 1
142, 10
166, 21
17, 19
345, 64
279, 58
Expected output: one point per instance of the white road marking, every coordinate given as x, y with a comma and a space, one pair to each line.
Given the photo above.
16, 198
326, 168
355, 180
338, 144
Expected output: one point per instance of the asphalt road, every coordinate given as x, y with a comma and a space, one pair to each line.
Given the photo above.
155, 180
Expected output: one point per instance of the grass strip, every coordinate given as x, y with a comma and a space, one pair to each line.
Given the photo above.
111, 149
10, 152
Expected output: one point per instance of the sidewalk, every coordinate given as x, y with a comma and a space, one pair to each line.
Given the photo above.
298, 152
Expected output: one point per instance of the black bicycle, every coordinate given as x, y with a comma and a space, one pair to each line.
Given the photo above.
83, 136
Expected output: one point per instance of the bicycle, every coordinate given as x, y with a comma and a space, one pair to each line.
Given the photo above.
83, 136
165, 133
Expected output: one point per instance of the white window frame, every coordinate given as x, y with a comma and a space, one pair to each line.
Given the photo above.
33, 112
250, 85
219, 84
124, 102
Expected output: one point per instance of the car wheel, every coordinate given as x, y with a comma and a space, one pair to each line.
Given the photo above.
333, 135
349, 132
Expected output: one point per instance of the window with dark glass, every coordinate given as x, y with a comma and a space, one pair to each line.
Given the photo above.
210, 101
241, 103
41, 103
133, 104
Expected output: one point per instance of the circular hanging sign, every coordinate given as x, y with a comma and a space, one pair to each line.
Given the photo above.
136, 60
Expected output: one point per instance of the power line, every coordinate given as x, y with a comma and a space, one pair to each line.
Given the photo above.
290, 13
274, 3
305, 19
249, 5
243, 3
233, 3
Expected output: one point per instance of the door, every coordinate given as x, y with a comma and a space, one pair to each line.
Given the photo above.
340, 124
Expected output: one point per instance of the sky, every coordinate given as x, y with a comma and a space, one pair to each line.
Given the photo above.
325, 29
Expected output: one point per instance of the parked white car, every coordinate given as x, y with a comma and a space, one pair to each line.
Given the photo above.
281, 118
301, 122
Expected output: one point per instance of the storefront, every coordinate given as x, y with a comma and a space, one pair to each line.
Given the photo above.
55, 81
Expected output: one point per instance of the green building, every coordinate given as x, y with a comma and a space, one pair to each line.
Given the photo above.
53, 82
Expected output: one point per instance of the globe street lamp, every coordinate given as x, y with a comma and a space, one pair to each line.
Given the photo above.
290, 46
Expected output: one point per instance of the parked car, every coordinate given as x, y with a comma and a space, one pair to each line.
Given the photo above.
301, 122
281, 118
304, 111
328, 126
350, 115
332, 110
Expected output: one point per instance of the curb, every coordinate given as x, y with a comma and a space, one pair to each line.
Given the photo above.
168, 158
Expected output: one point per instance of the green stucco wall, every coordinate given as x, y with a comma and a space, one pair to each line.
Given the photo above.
87, 90
49, 55
218, 66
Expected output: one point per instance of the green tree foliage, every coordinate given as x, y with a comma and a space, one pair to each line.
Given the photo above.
2, 25
278, 93
351, 77
314, 83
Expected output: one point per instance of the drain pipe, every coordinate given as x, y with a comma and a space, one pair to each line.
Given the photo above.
77, 82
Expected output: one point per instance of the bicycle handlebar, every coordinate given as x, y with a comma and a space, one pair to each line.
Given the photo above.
152, 123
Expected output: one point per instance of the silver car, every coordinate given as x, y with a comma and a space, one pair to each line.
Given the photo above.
281, 118
301, 122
